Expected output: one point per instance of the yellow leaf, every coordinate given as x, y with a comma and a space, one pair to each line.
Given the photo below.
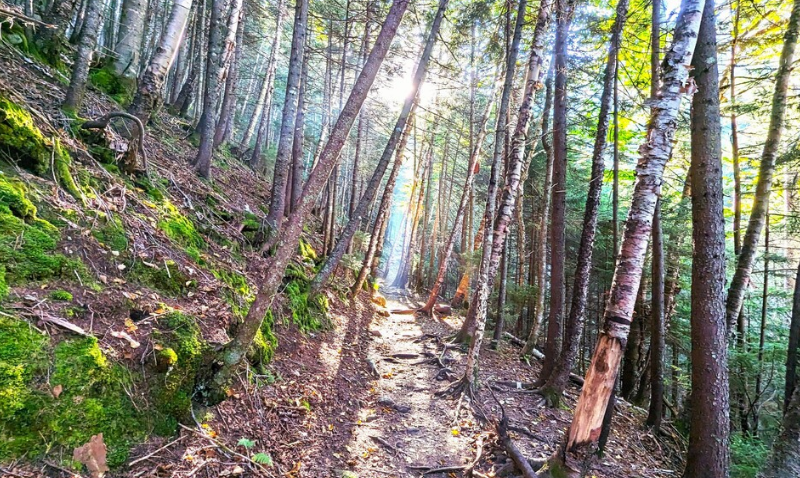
455, 432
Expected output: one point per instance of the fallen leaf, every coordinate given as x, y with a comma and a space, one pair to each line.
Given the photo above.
124, 335
57, 391
93, 455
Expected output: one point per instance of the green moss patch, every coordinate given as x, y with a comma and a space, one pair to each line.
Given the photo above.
27, 243
24, 144
182, 349
61, 295
85, 395
111, 232
119, 88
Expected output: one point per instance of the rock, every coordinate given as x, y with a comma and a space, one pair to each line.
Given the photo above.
385, 401
402, 408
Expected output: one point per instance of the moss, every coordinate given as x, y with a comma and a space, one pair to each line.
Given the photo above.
92, 396
117, 87
307, 251
173, 391
61, 295
27, 243
3, 284
61, 163
181, 230
112, 233
163, 277
21, 139
307, 314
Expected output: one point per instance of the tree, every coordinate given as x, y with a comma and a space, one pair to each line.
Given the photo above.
581, 439
131, 32
219, 49
86, 45
264, 103
148, 97
745, 260
289, 237
557, 381
708, 438
286, 135
784, 460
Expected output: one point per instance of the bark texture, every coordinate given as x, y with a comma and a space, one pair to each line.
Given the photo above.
131, 31
86, 45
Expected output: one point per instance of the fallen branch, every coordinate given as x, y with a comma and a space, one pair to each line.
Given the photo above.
149, 455
511, 450
103, 121
24, 18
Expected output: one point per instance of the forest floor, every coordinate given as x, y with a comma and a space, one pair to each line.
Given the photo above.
357, 399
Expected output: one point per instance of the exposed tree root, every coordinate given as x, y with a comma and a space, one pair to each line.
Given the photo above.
512, 451
137, 144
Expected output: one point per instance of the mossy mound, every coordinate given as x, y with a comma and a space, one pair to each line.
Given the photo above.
117, 87
111, 232
181, 230
61, 295
180, 357
27, 243
85, 395
165, 277
26, 146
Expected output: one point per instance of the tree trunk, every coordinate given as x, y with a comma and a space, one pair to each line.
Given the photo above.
234, 45
262, 108
219, 48
148, 97
785, 458
86, 46
708, 451
298, 169
763, 327
233, 352
794, 343
557, 381
552, 348
494, 233
377, 176
544, 221
744, 262
463, 285
581, 440
129, 45
286, 135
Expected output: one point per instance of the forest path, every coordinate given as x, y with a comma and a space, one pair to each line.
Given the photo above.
407, 426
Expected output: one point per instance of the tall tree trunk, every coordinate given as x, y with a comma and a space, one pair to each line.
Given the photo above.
298, 168
552, 348
494, 232
148, 97
219, 49
708, 451
264, 102
234, 45
383, 163
286, 135
131, 31
557, 381
794, 343
86, 46
289, 238
463, 285
544, 221
581, 440
657, 327
744, 262
763, 327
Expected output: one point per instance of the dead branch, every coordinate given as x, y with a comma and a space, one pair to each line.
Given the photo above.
24, 18
505, 440
103, 121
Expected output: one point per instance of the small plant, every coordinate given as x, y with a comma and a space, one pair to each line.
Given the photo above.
61, 295
261, 458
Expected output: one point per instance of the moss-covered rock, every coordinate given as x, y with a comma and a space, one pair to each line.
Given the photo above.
86, 394
27, 243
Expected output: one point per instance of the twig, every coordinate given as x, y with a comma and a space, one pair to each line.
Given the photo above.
157, 451
225, 447
24, 18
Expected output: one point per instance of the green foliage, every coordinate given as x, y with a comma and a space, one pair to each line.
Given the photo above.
747, 456
119, 88
27, 243
308, 314
91, 396
61, 295
182, 351
264, 344
246, 442
262, 458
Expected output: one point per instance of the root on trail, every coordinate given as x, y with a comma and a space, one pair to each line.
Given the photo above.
505, 441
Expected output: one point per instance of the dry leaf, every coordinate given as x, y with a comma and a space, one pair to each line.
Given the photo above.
93, 455
124, 335
57, 391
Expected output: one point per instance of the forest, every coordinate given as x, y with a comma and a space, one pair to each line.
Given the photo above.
399, 238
